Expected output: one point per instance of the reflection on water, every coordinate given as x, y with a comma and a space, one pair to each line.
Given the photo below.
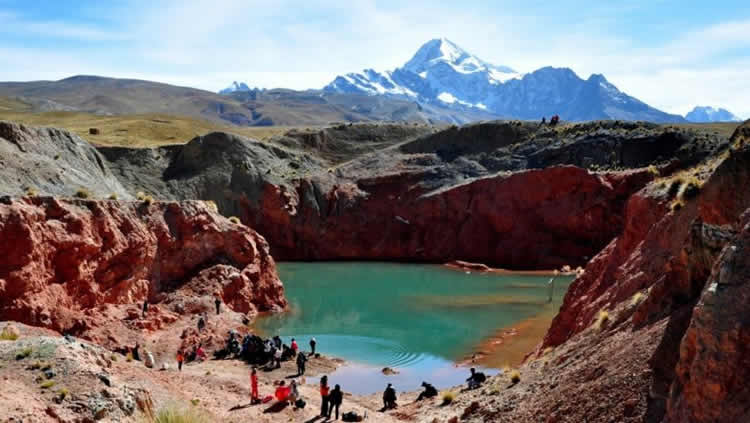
416, 318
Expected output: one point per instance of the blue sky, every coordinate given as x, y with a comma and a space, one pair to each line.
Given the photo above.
671, 54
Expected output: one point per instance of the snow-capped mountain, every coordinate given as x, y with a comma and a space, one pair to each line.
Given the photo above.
709, 114
235, 87
443, 74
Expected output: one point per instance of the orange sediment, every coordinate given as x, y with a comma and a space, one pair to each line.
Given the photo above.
510, 345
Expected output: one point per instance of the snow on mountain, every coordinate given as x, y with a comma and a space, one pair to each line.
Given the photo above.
235, 87
703, 114
444, 74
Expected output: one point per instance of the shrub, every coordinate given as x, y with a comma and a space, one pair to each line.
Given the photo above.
113, 196
515, 376
677, 205
30, 192
57, 157
448, 397
8, 335
129, 357
113, 357
195, 402
235, 220
148, 200
140, 196
62, 393
36, 366
653, 170
601, 319
177, 414
83, 193
24, 353
636, 299
47, 384
212, 205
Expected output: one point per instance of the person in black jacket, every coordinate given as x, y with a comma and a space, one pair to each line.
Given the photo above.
335, 399
389, 398
301, 359
429, 391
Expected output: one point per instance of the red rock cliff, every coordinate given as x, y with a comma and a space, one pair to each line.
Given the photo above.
532, 219
76, 266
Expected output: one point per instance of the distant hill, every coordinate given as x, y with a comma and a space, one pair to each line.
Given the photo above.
243, 107
706, 114
442, 73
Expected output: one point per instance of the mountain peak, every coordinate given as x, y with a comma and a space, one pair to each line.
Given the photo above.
441, 51
710, 114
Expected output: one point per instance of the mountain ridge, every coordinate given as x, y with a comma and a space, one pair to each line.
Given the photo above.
708, 114
440, 72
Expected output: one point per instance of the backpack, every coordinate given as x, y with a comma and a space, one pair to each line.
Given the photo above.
351, 416
300, 403
480, 377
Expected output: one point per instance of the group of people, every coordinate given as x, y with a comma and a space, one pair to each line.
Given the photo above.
553, 121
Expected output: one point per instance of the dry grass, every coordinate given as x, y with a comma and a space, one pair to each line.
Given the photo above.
113, 196
515, 376
47, 384
637, 298
144, 130
235, 220
601, 319
8, 335
148, 200
177, 414
448, 397
30, 192
677, 204
722, 128
62, 393
129, 357
212, 206
83, 193
24, 353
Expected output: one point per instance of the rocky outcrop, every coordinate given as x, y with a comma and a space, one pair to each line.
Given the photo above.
78, 266
53, 162
714, 356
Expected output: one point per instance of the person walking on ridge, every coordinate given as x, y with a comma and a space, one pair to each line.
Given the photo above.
313, 343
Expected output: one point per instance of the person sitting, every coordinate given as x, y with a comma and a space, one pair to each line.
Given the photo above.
476, 379
200, 354
429, 391
282, 392
389, 398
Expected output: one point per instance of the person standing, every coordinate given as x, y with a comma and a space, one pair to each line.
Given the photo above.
277, 356
254, 397
389, 398
336, 398
145, 307
217, 302
180, 359
295, 347
301, 359
313, 343
324, 391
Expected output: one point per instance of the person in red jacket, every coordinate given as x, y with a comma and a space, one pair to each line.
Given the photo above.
324, 391
295, 347
180, 359
254, 397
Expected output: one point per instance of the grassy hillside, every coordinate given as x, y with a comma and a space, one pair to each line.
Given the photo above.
144, 130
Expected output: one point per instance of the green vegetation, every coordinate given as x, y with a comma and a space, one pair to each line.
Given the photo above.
448, 397
24, 353
83, 193
62, 393
195, 402
8, 335
40, 365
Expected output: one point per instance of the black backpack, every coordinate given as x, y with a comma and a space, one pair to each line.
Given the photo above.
351, 416
300, 403
480, 377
